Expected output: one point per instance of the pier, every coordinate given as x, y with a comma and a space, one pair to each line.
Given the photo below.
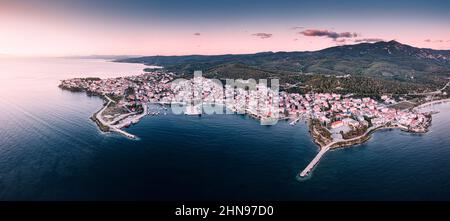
316, 159
124, 133
294, 122
128, 121
324, 149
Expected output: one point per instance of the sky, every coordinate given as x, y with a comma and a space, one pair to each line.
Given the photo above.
180, 27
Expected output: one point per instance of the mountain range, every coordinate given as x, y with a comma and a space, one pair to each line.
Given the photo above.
406, 67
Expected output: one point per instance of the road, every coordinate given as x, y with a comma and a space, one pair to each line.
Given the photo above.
125, 119
433, 92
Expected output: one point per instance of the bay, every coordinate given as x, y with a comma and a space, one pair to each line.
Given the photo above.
50, 150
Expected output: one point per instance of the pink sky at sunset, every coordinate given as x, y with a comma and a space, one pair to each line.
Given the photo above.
37, 31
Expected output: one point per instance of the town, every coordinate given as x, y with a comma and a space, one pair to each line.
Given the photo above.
335, 120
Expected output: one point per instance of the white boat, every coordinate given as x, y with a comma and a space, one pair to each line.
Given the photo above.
294, 122
193, 110
268, 121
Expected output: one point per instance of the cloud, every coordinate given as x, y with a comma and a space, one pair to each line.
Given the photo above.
197, 34
263, 35
435, 41
329, 34
368, 40
347, 35
341, 41
297, 28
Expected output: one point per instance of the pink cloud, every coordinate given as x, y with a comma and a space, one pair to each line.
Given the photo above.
328, 34
368, 40
263, 35
435, 41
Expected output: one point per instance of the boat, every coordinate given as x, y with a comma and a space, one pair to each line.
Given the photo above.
294, 122
268, 121
193, 110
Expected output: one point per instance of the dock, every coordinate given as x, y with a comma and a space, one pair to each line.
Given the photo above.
326, 148
193, 110
124, 133
316, 160
294, 122
128, 121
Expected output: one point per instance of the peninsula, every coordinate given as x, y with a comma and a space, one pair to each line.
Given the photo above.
335, 120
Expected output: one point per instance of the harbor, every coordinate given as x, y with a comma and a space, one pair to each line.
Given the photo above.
345, 143
120, 121
339, 120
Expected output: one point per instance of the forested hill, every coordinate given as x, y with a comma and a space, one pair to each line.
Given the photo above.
390, 62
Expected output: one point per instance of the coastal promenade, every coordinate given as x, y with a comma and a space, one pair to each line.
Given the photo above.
128, 120
98, 115
131, 119
432, 103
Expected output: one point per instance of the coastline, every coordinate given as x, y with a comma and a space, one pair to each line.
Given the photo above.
110, 127
431, 103
336, 145
103, 127
126, 119
115, 119
323, 148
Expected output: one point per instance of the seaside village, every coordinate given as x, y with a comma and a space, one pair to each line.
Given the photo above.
339, 114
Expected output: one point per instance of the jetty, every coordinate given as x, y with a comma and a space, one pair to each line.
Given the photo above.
124, 133
294, 122
131, 119
316, 159
326, 148
128, 121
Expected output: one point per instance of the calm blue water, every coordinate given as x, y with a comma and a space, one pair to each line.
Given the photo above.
50, 150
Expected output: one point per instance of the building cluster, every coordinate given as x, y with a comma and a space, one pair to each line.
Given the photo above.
147, 87
332, 110
260, 101
335, 110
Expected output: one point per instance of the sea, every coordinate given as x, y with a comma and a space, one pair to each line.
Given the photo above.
51, 150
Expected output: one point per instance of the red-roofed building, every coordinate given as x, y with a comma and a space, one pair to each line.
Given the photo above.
337, 124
